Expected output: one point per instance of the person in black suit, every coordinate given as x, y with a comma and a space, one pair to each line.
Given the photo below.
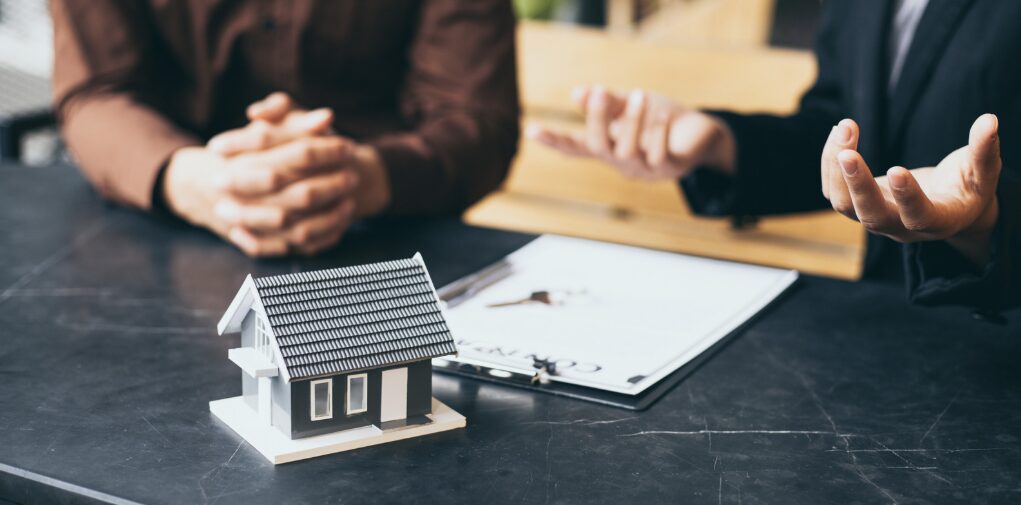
900, 84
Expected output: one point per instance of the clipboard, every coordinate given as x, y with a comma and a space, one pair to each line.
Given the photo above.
670, 370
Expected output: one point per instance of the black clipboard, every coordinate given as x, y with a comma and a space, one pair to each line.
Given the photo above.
467, 287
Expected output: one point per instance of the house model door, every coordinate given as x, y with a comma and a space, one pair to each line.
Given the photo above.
394, 395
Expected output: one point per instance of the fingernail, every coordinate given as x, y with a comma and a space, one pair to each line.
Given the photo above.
577, 93
897, 179
848, 166
992, 121
635, 100
843, 134
221, 181
315, 118
216, 144
533, 131
235, 235
226, 210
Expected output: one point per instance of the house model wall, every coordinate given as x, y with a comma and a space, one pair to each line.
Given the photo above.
340, 349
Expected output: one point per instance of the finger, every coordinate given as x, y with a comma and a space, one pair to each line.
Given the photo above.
867, 201
315, 228
258, 174
917, 213
844, 136
689, 137
261, 135
627, 148
258, 246
580, 95
656, 156
984, 148
315, 192
565, 142
277, 211
254, 137
273, 108
257, 218
597, 122
824, 163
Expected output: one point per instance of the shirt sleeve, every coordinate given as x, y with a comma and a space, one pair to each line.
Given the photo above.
775, 172
100, 83
461, 99
938, 275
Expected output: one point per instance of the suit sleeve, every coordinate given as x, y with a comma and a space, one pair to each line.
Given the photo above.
777, 157
461, 99
938, 275
100, 84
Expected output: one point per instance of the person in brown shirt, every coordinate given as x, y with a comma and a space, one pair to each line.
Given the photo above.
277, 123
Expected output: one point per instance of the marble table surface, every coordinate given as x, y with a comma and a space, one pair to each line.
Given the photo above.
840, 394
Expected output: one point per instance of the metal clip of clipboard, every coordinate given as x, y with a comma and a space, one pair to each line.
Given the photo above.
459, 291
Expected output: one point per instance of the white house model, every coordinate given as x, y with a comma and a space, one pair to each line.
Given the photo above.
336, 359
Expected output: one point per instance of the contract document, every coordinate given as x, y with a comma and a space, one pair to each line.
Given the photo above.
612, 317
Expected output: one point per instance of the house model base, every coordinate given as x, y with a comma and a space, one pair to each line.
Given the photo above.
277, 448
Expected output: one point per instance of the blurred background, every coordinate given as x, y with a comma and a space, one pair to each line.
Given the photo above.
742, 55
26, 132
782, 23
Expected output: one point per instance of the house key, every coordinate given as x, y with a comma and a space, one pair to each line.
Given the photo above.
536, 297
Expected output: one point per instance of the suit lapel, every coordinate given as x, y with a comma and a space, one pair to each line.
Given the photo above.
868, 75
938, 23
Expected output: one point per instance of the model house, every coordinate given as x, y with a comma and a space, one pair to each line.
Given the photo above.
344, 350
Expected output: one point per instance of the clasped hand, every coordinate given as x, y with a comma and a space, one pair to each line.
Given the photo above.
283, 183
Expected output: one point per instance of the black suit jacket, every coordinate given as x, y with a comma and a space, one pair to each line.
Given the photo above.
962, 62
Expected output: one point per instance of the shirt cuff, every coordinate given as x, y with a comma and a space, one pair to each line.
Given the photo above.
937, 274
415, 176
709, 192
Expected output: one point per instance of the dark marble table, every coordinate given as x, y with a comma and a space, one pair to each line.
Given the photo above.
840, 394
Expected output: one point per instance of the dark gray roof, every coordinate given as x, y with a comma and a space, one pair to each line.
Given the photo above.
347, 319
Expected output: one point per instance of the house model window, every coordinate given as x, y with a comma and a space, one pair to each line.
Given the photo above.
262, 338
357, 394
322, 399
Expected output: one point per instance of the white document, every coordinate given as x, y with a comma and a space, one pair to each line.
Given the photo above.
624, 317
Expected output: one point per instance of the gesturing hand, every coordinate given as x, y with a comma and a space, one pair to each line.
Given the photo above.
953, 201
644, 135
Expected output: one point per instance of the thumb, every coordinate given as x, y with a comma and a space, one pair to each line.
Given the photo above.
312, 122
984, 151
273, 108
689, 139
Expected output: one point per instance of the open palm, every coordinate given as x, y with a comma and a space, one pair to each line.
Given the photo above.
933, 203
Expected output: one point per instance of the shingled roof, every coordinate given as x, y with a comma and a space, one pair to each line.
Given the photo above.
348, 319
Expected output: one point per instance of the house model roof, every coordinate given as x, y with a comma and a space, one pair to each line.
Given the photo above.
347, 319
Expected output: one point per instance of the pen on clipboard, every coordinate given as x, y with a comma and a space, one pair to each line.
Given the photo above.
462, 289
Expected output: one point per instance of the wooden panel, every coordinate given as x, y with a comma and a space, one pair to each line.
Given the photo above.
547, 192
711, 22
553, 59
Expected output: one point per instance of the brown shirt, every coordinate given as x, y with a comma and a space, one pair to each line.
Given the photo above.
430, 83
